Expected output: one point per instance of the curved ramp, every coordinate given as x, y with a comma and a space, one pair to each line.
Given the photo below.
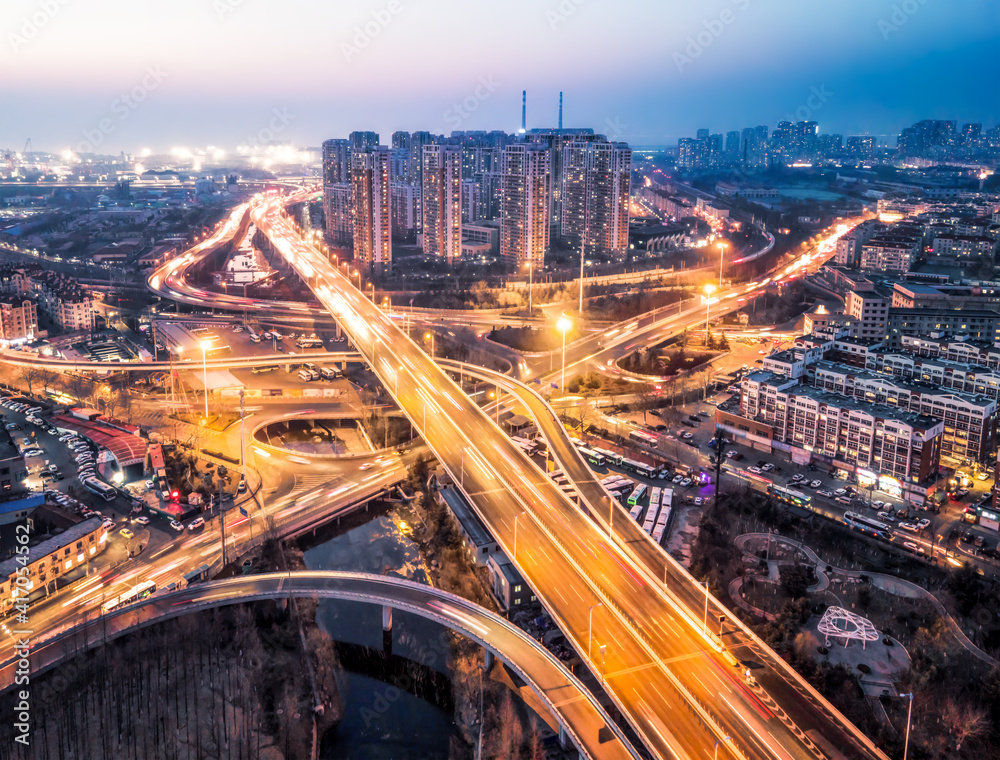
578, 712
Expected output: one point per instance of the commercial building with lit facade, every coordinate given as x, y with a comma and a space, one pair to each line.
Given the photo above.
898, 451
51, 560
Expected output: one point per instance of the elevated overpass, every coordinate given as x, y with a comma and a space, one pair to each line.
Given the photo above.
230, 362
779, 679
581, 717
647, 646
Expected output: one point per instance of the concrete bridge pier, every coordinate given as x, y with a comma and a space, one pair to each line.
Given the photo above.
387, 629
488, 659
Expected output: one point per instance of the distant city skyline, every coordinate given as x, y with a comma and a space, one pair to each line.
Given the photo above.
119, 76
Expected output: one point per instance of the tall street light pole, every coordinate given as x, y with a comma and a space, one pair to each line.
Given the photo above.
530, 268
709, 289
590, 630
909, 712
430, 336
204, 372
722, 251
563, 325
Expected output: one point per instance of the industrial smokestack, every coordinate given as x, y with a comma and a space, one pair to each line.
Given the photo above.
560, 110
524, 110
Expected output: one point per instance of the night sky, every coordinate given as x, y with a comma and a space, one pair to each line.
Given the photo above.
195, 73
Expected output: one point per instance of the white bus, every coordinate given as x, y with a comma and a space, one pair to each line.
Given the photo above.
309, 343
104, 490
647, 439
141, 591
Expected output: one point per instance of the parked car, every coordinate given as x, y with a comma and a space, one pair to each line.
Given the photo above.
767, 467
176, 525
198, 522
912, 527
923, 523
816, 484
824, 492
142, 520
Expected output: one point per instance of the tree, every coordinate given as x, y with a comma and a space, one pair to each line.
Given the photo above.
723, 343
585, 412
29, 375
646, 397
965, 721
796, 579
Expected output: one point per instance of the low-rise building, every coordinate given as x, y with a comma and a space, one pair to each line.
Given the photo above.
50, 560
479, 542
900, 448
975, 324
18, 320
963, 249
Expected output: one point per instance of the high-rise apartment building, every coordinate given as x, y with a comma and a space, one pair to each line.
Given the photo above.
337, 210
524, 204
417, 142
732, 153
363, 140
441, 201
336, 161
371, 211
596, 181
405, 210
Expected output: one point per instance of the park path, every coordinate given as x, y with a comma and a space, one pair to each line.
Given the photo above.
888, 583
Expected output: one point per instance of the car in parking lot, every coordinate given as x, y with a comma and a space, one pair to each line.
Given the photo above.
824, 492
923, 523
108, 524
686, 482
841, 492
885, 516
797, 477
816, 484
677, 479
842, 499
767, 467
754, 469
149, 485
198, 522
912, 527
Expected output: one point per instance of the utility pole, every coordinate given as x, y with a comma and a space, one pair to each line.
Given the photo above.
222, 472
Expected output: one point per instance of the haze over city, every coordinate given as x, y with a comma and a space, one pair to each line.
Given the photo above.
658, 70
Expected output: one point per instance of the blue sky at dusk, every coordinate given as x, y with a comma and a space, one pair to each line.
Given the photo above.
217, 72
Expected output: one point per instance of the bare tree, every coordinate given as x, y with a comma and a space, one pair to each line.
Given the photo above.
30, 374
646, 397
965, 721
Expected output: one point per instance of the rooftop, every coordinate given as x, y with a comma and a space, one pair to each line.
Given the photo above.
49, 546
468, 519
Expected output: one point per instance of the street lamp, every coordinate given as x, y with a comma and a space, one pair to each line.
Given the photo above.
909, 712
205, 345
722, 251
530, 268
430, 336
563, 325
515, 533
590, 629
709, 289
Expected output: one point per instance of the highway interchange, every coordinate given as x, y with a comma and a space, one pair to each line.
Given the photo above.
648, 648
620, 598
